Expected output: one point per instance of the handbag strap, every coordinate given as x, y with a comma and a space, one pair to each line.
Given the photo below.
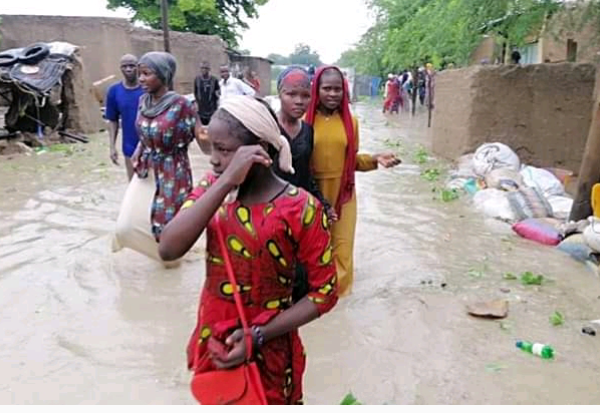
236, 293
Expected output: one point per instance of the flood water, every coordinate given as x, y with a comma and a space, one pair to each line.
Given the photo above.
80, 324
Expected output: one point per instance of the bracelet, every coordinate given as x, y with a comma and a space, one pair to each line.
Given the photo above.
259, 338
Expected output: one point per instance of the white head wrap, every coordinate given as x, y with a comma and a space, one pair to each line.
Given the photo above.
257, 119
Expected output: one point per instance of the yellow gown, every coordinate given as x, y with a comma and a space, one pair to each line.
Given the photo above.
329, 155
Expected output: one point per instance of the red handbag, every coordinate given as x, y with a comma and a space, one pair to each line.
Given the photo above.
242, 384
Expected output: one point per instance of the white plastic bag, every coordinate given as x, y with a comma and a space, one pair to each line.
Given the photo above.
494, 204
561, 206
591, 234
133, 229
504, 178
490, 156
464, 167
544, 180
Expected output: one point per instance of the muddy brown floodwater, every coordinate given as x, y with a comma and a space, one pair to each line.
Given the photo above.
82, 325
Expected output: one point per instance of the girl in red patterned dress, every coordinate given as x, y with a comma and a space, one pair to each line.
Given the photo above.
270, 227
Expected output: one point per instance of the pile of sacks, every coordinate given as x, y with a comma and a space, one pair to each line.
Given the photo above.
533, 200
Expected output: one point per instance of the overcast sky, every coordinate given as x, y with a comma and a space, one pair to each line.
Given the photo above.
281, 25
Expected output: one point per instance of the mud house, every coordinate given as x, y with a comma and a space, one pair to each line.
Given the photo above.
104, 40
563, 38
542, 111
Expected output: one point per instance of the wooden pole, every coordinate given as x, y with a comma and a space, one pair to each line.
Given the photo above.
589, 173
164, 7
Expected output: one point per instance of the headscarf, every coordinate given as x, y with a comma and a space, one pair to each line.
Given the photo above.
164, 66
347, 186
255, 116
294, 76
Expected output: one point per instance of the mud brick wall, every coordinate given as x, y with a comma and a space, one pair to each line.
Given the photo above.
542, 111
261, 66
105, 40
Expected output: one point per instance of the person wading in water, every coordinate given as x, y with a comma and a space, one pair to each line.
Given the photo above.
271, 226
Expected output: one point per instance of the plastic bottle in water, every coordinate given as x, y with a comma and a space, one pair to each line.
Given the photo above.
541, 350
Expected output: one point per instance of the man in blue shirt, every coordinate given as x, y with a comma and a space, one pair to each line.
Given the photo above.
122, 101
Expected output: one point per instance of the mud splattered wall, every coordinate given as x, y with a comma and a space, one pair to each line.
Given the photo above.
105, 40
542, 111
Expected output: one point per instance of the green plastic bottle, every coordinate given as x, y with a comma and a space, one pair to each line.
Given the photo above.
541, 350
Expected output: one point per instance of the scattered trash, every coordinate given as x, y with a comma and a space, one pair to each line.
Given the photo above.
557, 319
350, 400
538, 231
529, 203
577, 248
541, 350
491, 156
494, 367
494, 204
589, 331
545, 181
505, 179
528, 278
490, 309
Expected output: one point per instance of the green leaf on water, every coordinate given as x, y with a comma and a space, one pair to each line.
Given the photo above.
475, 273
431, 174
509, 276
421, 156
528, 278
350, 400
449, 195
557, 319
494, 367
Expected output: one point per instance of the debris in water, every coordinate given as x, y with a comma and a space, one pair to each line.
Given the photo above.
489, 309
431, 175
494, 367
505, 325
589, 331
505, 290
350, 400
557, 319
528, 278
509, 276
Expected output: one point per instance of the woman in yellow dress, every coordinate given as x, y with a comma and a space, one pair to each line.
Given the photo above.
335, 160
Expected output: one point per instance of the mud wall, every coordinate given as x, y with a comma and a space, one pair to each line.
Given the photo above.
260, 65
542, 111
105, 40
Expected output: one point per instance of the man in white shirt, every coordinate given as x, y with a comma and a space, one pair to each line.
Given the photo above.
230, 86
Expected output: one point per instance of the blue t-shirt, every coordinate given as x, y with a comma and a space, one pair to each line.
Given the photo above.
122, 103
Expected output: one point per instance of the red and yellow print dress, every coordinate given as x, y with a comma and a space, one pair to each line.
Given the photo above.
265, 243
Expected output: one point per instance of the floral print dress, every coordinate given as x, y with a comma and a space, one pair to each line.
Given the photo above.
165, 140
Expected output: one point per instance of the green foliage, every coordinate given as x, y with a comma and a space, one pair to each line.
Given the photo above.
303, 55
408, 33
217, 17
279, 59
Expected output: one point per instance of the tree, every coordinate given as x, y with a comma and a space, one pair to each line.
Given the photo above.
411, 32
303, 55
217, 17
278, 59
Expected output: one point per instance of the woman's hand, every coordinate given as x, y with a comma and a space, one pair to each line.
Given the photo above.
135, 158
387, 160
331, 214
244, 159
236, 355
